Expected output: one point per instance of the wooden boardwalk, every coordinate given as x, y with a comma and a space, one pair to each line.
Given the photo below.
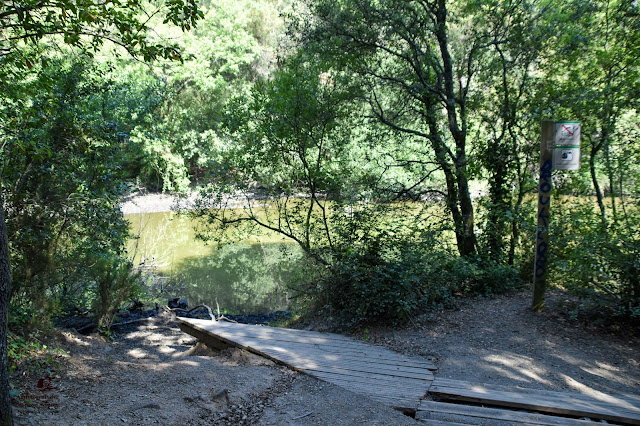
408, 383
386, 376
625, 410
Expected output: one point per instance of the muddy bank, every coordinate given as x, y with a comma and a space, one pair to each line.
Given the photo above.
156, 202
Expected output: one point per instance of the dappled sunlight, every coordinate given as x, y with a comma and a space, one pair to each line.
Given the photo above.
606, 366
166, 349
587, 390
610, 373
569, 359
517, 367
138, 353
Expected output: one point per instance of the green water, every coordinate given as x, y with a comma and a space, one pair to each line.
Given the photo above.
246, 277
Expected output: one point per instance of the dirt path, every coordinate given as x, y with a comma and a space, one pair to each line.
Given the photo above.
155, 374
158, 375
501, 341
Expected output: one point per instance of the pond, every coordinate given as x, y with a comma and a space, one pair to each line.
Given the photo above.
248, 277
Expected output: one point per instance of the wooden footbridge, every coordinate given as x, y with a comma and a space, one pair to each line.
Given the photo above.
409, 384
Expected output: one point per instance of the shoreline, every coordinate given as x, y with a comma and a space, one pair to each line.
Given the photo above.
156, 202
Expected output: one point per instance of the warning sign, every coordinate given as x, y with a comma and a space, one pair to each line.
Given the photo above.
566, 152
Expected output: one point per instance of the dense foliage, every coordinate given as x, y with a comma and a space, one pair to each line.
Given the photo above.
396, 142
60, 156
386, 106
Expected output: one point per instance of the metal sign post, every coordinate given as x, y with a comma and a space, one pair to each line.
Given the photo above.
559, 150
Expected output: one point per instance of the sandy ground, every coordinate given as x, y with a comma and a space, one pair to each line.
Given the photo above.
155, 374
501, 341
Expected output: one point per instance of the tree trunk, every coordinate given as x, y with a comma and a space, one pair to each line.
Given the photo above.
498, 205
5, 291
596, 187
456, 117
468, 246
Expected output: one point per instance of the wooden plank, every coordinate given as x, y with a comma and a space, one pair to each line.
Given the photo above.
310, 352
315, 361
264, 331
515, 400
352, 376
205, 337
484, 413
373, 356
290, 335
378, 354
380, 374
406, 406
439, 423
308, 361
349, 358
371, 388
305, 353
577, 405
413, 399
419, 389
373, 380
345, 344
625, 399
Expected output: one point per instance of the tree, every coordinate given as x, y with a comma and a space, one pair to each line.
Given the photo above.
602, 86
502, 115
289, 158
223, 57
61, 185
418, 66
87, 24
5, 292
84, 25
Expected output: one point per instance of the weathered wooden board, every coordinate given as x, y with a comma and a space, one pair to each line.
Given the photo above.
396, 380
312, 360
346, 346
432, 410
431, 422
610, 408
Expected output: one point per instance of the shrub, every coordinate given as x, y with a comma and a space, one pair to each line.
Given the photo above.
389, 277
115, 282
600, 265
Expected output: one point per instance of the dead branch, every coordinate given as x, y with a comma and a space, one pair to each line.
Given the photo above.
187, 312
131, 322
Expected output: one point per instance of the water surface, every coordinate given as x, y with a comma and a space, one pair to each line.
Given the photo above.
242, 278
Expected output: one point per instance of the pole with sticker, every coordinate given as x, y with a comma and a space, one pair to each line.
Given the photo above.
559, 150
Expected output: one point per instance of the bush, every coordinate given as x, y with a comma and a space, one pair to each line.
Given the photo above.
387, 277
115, 282
600, 265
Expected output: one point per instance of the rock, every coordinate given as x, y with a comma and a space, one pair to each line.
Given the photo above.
177, 302
136, 305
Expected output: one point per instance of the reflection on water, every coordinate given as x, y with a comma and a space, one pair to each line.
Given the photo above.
247, 277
